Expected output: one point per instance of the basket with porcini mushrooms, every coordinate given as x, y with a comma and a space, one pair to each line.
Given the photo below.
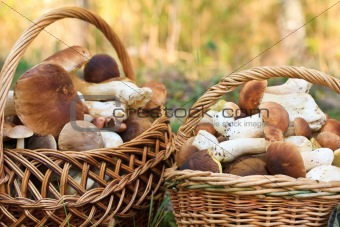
271, 159
82, 143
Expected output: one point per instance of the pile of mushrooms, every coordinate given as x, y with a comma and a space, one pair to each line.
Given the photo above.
272, 130
73, 101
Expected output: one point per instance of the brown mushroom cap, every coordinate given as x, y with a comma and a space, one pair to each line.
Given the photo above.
274, 114
136, 124
285, 158
41, 142
272, 133
301, 128
251, 95
185, 151
101, 67
158, 97
202, 161
331, 125
71, 58
329, 140
44, 97
205, 126
246, 166
80, 136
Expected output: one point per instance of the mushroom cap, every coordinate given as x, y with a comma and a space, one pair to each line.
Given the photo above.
285, 158
329, 140
101, 67
272, 133
332, 126
135, 125
205, 126
246, 166
80, 136
42, 142
185, 151
158, 97
71, 58
44, 97
251, 95
274, 114
301, 127
20, 132
202, 161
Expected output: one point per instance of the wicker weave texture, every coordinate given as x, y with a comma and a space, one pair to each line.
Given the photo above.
127, 179
209, 199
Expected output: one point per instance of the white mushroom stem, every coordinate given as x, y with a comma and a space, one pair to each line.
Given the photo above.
325, 173
124, 91
318, 157
111, 139
221, 121
208, 117
301, 142
107, 109
20, 143
204, 140
248, 127
292, 85
9, 105
228, 151
301, 105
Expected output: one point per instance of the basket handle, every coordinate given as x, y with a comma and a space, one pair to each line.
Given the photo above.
19, 48
230, 82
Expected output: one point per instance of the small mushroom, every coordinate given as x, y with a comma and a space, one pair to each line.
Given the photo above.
101, 67
45, 98
246, 166
318, 157
185, 151
136, 124
285, 158
324, 173
228, 151
42, 142
204, 140
80, 136
329, 140
332, 126
205, 126
158, 97
292, 85
300, 128
20, 132
251, 95
202, 161
272, 133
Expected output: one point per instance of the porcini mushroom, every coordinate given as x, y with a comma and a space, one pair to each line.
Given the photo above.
136, 124
300, 128
185, 151
251, 95
245, 166
202, 161
45, 97
331, 125
272, 133
292, 85
20, 132
101, 67
42, 142
329, 140
80, 136
205, 126
285, 158
204, 140
302, 105
106, 109
158, 97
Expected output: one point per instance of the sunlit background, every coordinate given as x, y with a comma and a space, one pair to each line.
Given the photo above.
190, 45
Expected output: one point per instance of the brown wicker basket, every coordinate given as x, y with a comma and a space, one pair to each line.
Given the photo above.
212, 199
135, 169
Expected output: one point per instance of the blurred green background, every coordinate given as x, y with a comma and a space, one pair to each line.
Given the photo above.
190, 45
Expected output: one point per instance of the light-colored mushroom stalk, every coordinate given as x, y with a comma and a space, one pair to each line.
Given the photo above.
325, 173
204, 140
292, 85
318, 157
9, 105
107, 109
125, 91
248, 127
302, 105
301, 142
111, 139
228, 151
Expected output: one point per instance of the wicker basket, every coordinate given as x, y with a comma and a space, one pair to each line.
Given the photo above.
212, 199
135, 169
